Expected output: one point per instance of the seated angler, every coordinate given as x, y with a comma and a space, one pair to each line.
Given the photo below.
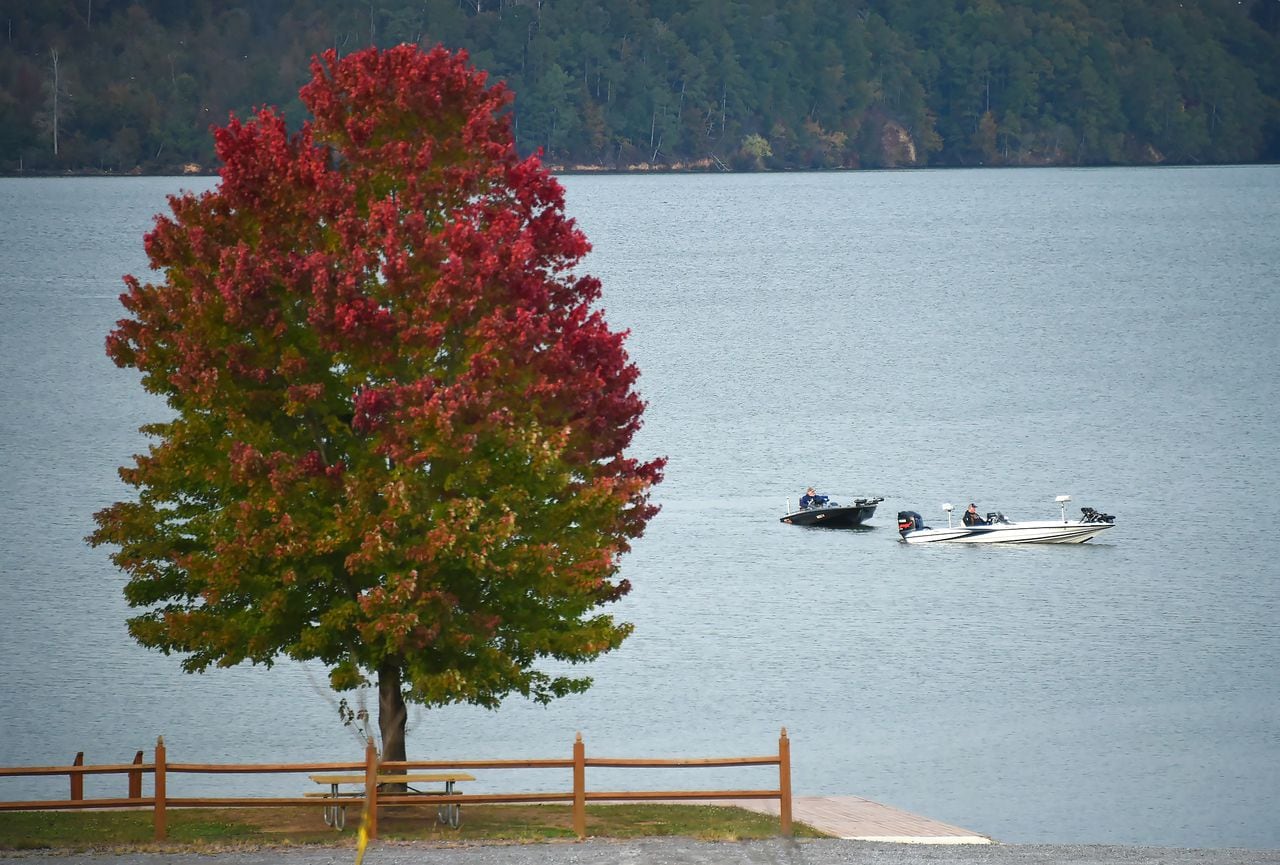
971, 517
811, 499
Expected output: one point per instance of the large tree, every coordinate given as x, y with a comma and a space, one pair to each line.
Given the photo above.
398, 419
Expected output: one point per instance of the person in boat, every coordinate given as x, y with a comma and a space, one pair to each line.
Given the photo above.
971, 517
811, 499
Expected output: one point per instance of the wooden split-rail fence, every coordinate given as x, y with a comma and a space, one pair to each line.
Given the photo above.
160, 768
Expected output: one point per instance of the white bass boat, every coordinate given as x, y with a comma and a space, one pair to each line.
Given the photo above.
998, 530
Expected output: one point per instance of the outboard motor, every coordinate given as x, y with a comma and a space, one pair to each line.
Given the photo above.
908, 520
1092, 516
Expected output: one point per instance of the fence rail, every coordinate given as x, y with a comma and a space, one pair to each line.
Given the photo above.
160, 768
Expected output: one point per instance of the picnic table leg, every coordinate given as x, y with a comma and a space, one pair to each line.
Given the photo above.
326, 813
449, 813
455, 810
335, 815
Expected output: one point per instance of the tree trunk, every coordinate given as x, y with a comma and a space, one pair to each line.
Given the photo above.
391, 715
56, 85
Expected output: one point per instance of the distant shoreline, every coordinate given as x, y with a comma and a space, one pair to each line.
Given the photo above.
634, 170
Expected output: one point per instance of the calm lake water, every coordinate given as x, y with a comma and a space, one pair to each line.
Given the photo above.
990, 336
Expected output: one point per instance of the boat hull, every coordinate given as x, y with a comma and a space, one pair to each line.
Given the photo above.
834, 516
1039, 532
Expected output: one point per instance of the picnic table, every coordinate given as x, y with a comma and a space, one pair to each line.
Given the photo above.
335, 814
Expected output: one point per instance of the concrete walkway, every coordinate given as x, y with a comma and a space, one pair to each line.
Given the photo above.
857, 819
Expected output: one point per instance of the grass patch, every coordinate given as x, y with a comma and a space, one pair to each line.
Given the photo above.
216, 828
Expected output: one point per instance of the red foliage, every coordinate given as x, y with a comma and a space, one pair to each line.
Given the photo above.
400, 423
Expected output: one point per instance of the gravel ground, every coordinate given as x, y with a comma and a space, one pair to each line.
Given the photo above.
681, 851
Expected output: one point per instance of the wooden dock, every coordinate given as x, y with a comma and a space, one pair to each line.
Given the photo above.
857, 819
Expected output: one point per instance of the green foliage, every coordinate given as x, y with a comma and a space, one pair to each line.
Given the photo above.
618, 82
755, 145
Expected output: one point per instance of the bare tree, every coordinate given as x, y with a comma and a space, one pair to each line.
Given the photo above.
54, 53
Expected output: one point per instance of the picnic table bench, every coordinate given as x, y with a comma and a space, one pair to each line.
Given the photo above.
335, 814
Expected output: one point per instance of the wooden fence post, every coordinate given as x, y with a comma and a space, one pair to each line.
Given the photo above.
77, 779
580, 788
784, 781
371, 789
135, 778
161, 827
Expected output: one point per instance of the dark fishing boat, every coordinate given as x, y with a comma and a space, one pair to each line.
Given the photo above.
833, 515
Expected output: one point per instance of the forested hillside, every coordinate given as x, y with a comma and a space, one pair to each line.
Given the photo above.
134, 85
